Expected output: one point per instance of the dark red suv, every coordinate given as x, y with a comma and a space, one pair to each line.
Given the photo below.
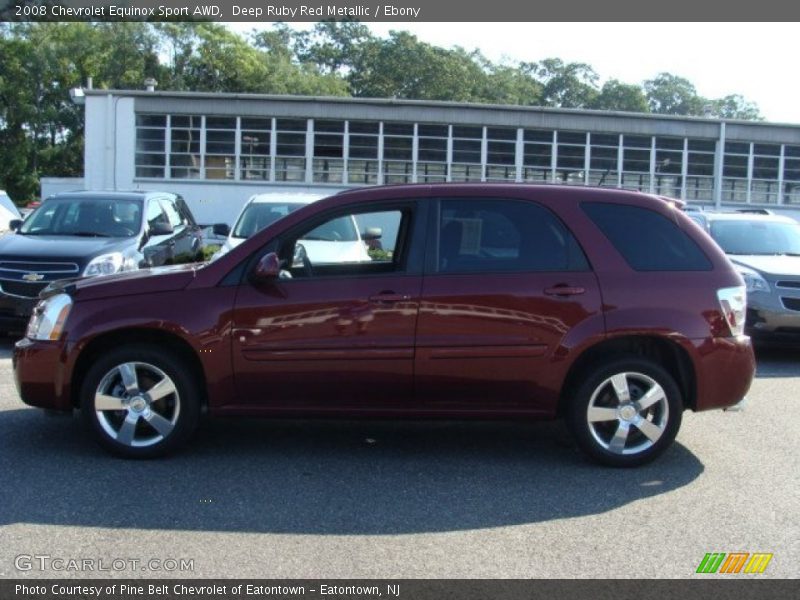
609, 308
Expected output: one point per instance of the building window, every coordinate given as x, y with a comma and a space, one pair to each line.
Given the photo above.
537, 160
185, 160
791, 175
734, 172
700, 170
328, 151
290, 152
151, 133
466, 164
668, 170
571, 157
220, 158
254, 148
501, 154
362, 163
764, 187
432, 159
603, 160
336, 151
636, 162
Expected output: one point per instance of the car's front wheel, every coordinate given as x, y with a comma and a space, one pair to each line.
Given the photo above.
140, 401
626, 412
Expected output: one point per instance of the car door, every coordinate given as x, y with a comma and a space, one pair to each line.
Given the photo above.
505, 284
333, 335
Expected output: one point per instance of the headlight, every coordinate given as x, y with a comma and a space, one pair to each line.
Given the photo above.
753, 281
107, 264
49, 317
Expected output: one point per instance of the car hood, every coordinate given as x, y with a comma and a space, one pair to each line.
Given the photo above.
769, 264
61, 247
129, 283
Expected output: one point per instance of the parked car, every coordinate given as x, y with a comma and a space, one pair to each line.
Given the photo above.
765, 248
80, 234
337, 241
8, 212
489, 301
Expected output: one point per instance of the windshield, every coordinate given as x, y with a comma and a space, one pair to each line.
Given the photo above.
757, 237
342, 229
87, 217
258, 215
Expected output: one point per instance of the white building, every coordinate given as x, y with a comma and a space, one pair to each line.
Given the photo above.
218, 149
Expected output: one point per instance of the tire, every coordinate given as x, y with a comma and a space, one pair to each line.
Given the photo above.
140, 401
620, 432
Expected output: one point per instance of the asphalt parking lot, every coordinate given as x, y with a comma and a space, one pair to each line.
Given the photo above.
293, 499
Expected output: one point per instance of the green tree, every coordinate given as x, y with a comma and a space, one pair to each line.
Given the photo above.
565, 85
41, 129
734, 106
210, 57
508, 84
403, 67
334, 46
669, 94
615, 95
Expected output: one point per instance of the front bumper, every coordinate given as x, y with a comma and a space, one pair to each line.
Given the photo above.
40, 374
771, 323
15, 312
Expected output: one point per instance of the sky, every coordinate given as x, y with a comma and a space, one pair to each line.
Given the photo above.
756, 60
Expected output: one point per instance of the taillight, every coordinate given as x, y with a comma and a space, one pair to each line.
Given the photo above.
733, 302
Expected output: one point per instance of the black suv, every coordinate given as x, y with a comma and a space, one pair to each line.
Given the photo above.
81, 234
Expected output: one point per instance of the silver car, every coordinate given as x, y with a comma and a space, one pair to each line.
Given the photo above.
765, 248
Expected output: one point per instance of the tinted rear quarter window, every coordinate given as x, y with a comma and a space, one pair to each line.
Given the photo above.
647, 240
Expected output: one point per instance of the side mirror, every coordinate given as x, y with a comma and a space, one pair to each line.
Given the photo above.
14, 224
221, 229
371, 234
268, 268
161, 228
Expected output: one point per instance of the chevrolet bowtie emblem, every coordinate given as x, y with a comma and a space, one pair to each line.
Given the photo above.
33, 277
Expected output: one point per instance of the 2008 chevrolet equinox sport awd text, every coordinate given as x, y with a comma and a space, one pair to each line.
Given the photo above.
609, 308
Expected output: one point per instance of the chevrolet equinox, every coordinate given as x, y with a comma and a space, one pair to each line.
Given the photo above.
608, 308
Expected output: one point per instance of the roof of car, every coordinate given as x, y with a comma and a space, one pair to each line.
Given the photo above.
741, 216
285, 197
112, 194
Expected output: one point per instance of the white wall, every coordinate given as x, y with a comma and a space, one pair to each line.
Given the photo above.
56, 185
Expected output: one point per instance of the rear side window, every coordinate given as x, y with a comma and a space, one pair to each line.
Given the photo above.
647, 240
492, 235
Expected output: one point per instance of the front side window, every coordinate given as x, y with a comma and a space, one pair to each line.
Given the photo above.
172, 213
155, 215
492, 235
349, 245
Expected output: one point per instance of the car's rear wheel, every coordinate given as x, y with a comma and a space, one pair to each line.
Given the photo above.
140, 401
626, 412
